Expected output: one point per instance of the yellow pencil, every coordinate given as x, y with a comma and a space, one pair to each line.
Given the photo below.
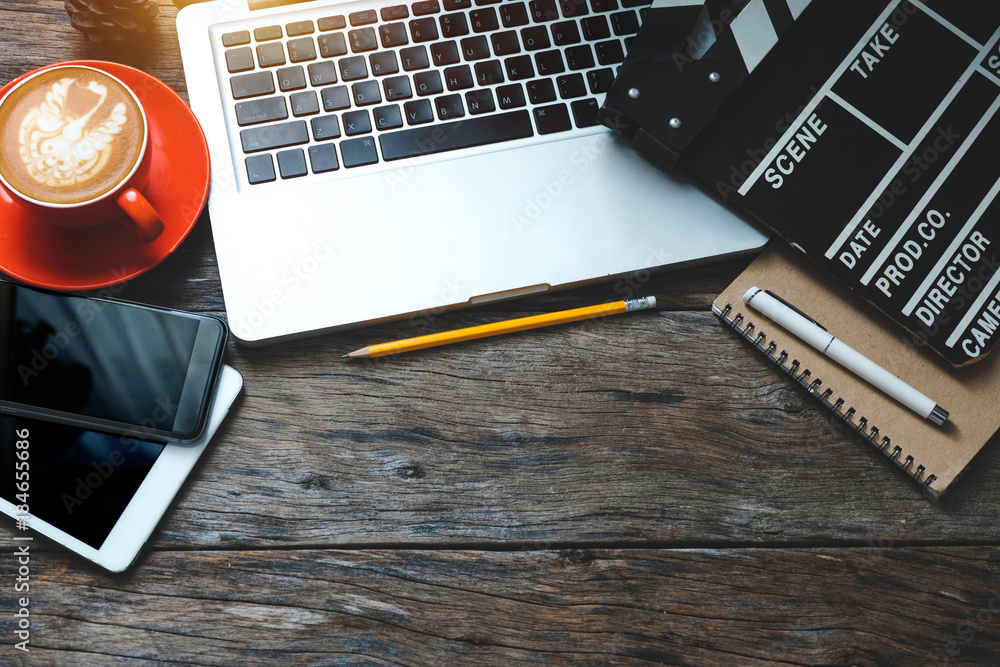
507, 326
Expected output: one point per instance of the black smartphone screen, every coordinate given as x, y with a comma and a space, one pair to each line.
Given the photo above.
105, 360
81, 481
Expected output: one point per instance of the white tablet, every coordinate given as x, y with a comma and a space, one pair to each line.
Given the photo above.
101, 495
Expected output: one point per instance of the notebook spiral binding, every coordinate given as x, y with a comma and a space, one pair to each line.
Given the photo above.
812, 386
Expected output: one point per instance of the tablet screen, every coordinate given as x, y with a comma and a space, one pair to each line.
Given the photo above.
79, 481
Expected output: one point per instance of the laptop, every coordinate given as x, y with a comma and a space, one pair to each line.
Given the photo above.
375, 161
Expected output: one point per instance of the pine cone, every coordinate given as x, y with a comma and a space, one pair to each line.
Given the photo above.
111, 20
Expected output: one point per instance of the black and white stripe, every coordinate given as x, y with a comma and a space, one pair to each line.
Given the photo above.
759, 26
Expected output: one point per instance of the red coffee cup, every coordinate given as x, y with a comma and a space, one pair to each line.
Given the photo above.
73, 150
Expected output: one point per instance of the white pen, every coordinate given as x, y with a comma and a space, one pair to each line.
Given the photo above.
808, 330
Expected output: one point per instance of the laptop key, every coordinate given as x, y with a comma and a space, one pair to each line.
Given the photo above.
356, 122
236, 38
484, 20
353, 68
571, 85
261, 111
418, 112
336, 98
511, 96
565, 32
320, 74
281, 135
239, 60
325, 127
252, 85
595, 27
323, 158
393, 34
579, 57
458, 78
505, 43
397, 88
425, 7
337, 22
444, 53
332, 45
473, 131
260, 169
362, 40
304, 103
489, 73
359, 152
271, 54
299, 28
574, 8
475, 48
363, 18
519, 68
585, 112
267, 33
553, 118
428, 83
453, 25
600, 6
449, 106
413, 58
541, 91
609, 53
549, 63
452, 5
534, 38
291, 78
388, 117
480, 101
513, 15
366, 92
383, 63
424, 30
625, 23
600, 80
543, 10
394, 13
301, 49
292, 164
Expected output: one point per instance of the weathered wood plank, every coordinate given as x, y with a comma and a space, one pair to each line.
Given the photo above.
655, 428
902, 606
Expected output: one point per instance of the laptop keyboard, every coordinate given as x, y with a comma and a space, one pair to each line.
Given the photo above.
342, 91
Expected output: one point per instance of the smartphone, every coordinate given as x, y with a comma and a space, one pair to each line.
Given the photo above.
98, 494
110, 365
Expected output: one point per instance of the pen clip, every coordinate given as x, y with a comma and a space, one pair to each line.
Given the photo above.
772, 294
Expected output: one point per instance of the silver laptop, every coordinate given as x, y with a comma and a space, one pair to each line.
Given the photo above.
376, 160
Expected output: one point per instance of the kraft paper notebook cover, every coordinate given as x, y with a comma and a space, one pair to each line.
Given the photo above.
934, 456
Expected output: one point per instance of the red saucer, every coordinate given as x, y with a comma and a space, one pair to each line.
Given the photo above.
93, 257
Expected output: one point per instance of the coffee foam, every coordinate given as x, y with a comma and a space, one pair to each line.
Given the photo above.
69, 135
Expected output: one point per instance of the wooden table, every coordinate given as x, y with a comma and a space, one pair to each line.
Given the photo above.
640, 490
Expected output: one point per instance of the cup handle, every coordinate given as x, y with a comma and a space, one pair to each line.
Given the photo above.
142, 220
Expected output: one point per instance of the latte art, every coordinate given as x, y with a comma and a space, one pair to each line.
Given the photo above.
59, 150
69, 135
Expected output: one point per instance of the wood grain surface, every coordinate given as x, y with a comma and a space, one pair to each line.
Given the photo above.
642, 489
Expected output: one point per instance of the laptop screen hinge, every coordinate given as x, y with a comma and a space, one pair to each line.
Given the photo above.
267, 4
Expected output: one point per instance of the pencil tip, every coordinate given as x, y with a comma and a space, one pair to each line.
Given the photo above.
345, 356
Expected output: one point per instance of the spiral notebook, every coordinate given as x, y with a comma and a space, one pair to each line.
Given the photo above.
933, 456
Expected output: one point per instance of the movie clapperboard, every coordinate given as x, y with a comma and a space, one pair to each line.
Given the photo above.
862, 132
